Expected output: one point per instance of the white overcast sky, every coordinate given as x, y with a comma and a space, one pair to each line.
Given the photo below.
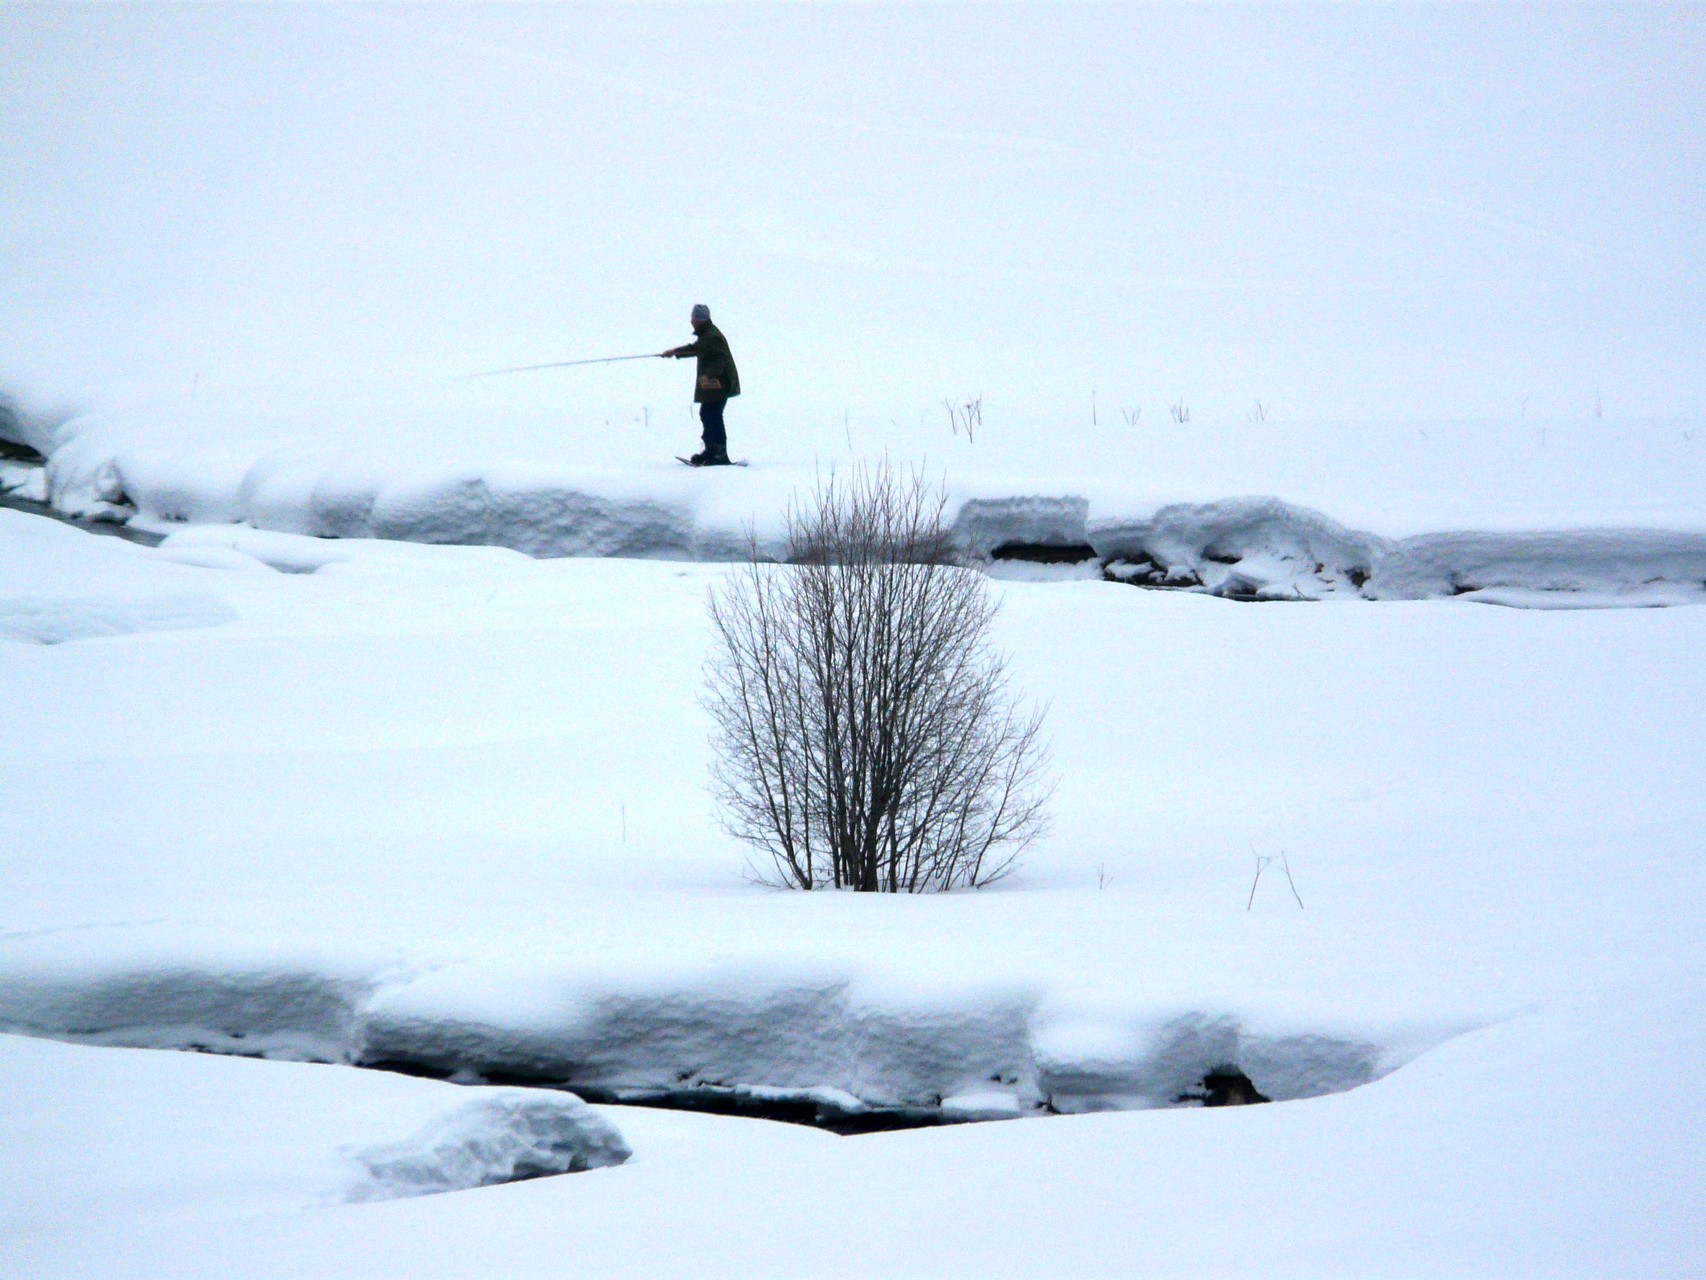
1342, 211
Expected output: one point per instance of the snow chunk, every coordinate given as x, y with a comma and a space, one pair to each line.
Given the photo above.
23, 480
784, 1036
827, 1098
1242, 546
985, 1104
506, 1136
84, 482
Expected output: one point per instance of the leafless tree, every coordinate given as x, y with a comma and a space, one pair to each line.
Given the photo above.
866, 737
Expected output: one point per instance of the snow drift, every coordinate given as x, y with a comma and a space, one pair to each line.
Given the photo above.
58, 584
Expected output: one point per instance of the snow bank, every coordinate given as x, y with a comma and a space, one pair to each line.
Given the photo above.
1610, 512
1262, 548
843, 1043
507, 1135
226, 997
1629, 565
767, 1027
1153, 1065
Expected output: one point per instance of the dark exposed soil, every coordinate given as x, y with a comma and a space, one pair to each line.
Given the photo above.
1225, 1086
1045, 552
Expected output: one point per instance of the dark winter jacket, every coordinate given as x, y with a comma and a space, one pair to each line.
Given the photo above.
717, 376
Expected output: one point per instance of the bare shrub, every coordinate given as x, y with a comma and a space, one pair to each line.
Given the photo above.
866, 737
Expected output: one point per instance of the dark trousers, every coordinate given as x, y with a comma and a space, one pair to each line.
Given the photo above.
711, 418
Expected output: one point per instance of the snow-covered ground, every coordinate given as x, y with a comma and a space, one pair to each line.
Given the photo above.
446, 805
1394, 304
1560, 1144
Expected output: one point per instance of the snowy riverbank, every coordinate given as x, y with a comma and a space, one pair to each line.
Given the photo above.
1580, 514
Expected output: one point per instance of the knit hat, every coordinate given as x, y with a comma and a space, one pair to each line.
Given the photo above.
701, 312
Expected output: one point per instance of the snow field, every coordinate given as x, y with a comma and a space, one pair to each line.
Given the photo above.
446, 802
445, 806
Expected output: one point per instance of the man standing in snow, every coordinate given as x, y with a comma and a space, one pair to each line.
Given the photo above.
717, 381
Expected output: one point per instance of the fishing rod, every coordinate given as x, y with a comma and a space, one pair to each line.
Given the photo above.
560, 364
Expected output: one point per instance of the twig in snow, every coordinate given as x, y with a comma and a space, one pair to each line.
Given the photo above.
1261, 866
1285, 866
968, 415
